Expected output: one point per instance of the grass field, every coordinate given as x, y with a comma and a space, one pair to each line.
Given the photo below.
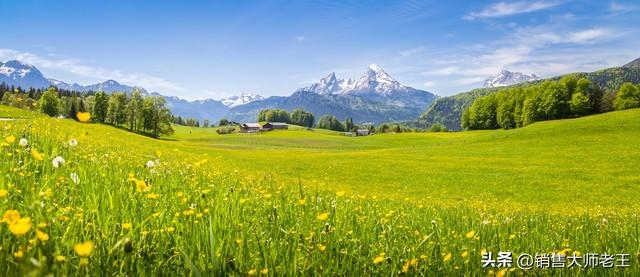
302, 202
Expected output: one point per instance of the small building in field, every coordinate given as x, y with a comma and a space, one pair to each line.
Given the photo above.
250, 127
275, 126
363, 132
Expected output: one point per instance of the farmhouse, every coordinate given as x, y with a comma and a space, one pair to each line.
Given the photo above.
362, 132
250, 127
275, 126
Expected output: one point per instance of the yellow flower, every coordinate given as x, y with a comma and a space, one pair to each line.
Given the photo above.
464, 254
60, 258
36, 155
42, 235
340, 193
83, 249
502, 273
447, 257
252, 272
141, 186
323, 216
153, 196
408, 264
21, 227
322, 248
10, 139
126, 226
18, 254
470, 234
83, 117
302, 201
264, 271
3, 193
379, 259
267, 196
11, 216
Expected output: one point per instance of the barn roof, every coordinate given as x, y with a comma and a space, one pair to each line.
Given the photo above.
251, 125
277, 123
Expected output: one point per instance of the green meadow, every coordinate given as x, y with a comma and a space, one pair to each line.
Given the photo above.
314, 202
573, 163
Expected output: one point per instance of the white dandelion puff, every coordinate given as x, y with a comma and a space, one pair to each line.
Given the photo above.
73, 142
23, 142
150, 164
57, 162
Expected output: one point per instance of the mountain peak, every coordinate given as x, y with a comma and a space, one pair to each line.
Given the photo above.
375, 68
328, 85
243, 98
16, 64
633, 64
508, 78
17, 73
374, 80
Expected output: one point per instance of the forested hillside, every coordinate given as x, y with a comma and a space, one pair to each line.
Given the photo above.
448, 110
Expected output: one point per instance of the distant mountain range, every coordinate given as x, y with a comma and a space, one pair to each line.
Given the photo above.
374, 97
17, 73
448, 110
508, 78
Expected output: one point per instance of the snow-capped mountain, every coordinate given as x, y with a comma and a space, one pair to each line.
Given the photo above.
508, 78
375, 80
375, 97
329, 85
110, 86
17, 73
63, 85
241, 99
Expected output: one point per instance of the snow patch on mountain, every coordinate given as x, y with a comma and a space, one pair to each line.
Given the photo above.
244, 98
508, 78
17, 73
375, 80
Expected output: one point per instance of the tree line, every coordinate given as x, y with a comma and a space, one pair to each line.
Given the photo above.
297, 117
328, 122
136, 112
568, 97
191, 122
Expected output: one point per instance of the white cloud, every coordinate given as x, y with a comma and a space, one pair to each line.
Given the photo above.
429, 84
588, 36
545, 50
616, 7
300, 38
411, 51
76, 67
447, 70
510, 8
469, 81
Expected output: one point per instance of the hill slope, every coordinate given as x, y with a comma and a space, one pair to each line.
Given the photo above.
448, 110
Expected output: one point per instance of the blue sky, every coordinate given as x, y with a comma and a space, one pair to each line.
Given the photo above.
214, 49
